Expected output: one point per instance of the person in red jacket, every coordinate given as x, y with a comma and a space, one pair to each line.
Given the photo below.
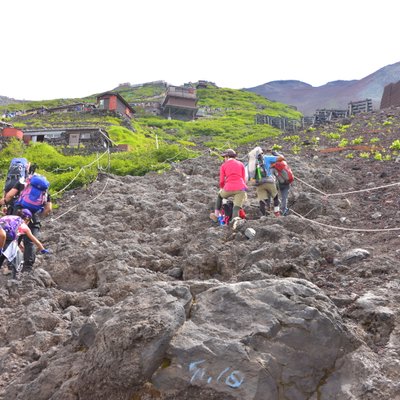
232, 182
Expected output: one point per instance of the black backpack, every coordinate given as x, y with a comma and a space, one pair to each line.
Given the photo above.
18, 171
227, 209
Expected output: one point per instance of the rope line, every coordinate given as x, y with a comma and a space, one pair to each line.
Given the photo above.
87, 202
82, 169
344, 229
364, 190
307, 184
346, 193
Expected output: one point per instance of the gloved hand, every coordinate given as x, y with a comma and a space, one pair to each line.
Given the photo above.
44, 251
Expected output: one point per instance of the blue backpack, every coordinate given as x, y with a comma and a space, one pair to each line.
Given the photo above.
10, 224
17, 172
34, 196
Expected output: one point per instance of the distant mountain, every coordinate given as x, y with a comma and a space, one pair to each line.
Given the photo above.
4, 101
333, 95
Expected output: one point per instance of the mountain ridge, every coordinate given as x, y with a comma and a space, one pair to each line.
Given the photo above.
335, 94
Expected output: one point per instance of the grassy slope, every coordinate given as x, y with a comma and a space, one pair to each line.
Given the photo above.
229, 122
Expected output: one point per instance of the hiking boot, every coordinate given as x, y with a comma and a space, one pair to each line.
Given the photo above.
277, 212
6, 271
236, 222
285, 212
213, 217
27, 268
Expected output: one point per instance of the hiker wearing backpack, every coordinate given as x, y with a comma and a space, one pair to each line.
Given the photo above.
266, 181
32, 195
232, 182
11, 228
284, 178
19, 171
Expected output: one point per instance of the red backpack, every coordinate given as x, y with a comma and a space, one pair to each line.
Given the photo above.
284, 173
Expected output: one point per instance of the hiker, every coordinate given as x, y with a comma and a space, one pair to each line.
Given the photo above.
266, 181
12, 227
284, 178
232, 182
15, 201
20, 170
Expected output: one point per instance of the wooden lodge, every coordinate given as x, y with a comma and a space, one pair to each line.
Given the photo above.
180, 103
114, 102
74, 137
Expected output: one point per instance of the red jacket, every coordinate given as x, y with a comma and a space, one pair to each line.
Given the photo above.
232, 176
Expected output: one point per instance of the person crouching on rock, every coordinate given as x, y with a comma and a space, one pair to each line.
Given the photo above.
11, 228
232, 182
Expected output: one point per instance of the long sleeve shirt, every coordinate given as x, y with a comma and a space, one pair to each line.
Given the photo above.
232, 175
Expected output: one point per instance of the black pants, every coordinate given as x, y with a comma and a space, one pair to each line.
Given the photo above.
29, 246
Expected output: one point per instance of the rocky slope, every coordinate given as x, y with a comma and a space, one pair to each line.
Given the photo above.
143, 297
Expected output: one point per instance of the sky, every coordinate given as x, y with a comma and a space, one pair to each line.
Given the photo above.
75, 48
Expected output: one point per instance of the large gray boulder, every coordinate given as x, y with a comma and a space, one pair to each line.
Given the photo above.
256, 340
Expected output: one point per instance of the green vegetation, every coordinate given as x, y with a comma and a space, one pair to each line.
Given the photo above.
343, 128
76, 171
395, 145
146, 92
296, 149
276, 147
153, 141
333, 136
357, 140
358, 132
293, 138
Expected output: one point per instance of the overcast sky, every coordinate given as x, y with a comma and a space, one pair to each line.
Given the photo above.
75, 48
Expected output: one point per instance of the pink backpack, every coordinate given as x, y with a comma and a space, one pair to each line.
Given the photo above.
34, 196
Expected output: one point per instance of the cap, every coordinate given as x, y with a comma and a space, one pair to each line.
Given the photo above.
25, 213
229, 153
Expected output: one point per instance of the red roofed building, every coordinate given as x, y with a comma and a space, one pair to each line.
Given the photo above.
114, 102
